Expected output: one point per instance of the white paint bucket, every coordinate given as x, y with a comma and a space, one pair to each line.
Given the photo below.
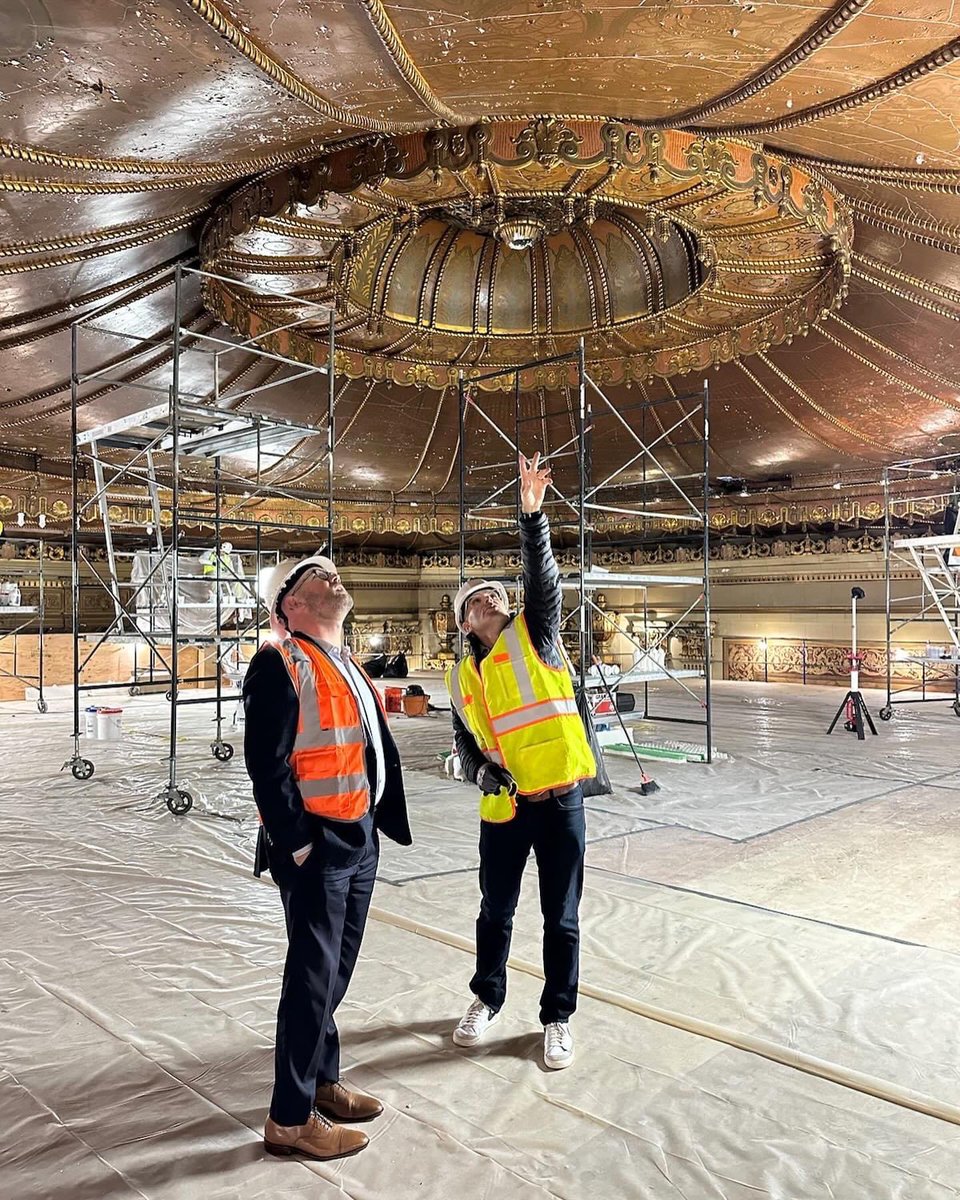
109, 724
90, 721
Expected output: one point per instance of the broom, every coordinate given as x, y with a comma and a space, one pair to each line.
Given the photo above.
647, 785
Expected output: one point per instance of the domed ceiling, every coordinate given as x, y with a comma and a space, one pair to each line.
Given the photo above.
666, 251
759, 191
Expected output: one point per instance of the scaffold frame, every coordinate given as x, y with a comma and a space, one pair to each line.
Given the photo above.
33, 623
935, 562
592, 406
157, 442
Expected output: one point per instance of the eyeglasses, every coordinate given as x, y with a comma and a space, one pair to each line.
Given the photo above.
312, 573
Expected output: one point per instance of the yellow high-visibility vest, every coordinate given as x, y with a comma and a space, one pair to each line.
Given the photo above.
523, 715
208, 564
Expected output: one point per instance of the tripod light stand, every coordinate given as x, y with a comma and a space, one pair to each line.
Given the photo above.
852, 707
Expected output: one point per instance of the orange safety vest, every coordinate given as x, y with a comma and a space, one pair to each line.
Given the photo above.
329, 752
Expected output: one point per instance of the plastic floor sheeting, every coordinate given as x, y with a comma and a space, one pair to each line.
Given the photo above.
770, 976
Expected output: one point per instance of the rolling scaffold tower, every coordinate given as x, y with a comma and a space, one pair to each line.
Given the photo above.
644, 486
934, 561
196, 461
29, 619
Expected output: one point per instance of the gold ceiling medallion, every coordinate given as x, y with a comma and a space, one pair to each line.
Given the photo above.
516, 239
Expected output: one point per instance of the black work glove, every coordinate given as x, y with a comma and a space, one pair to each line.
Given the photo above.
491, 778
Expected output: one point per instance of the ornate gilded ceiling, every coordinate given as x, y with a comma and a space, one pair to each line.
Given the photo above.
667, 251
764, 191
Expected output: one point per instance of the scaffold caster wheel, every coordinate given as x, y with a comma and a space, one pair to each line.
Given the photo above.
134, 690
169, 697
885, 713
42, 706
179, 802
222, 750
956, 707
82, 768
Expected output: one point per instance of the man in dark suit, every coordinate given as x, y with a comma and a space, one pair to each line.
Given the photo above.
327, 781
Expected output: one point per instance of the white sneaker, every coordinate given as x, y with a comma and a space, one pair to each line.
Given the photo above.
557, 1045
473, 1024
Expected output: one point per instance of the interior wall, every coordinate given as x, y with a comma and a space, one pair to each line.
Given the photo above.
789, 599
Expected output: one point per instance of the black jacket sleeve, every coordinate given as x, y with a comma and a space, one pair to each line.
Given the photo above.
271, 712
472, 757
543, 598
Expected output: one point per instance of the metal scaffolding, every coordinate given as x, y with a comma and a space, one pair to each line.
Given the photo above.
636, 487
185, 460
935, 562
31, 623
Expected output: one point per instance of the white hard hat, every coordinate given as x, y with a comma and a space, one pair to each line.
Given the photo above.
470, 588
276, 581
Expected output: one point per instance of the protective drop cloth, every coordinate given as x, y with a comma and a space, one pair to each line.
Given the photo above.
151, 572
140, 965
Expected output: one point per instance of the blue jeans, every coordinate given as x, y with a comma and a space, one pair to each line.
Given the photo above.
555, 830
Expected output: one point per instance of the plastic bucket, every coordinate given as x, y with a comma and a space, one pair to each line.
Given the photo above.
90, 721
415, 706
393, 699
109, 724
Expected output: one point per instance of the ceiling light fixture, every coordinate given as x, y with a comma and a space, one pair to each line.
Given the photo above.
520, 233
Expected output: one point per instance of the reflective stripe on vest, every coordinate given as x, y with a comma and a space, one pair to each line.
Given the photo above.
533, 714
329, 753
522, 710
485, 739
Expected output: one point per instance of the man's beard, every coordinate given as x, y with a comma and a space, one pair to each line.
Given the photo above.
333, 606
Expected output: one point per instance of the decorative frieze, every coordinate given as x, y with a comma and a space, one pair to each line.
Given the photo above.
793, 660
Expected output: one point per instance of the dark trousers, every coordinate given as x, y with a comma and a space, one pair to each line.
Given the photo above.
554, 829
326, 910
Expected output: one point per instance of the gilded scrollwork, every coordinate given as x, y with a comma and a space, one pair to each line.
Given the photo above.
547, 141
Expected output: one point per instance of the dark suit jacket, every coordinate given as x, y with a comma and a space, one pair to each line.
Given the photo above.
272, 709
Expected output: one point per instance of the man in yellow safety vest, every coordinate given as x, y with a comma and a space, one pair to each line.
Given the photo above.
520, 738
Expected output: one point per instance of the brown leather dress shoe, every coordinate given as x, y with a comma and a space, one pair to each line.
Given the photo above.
335, 1100
317, 1139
